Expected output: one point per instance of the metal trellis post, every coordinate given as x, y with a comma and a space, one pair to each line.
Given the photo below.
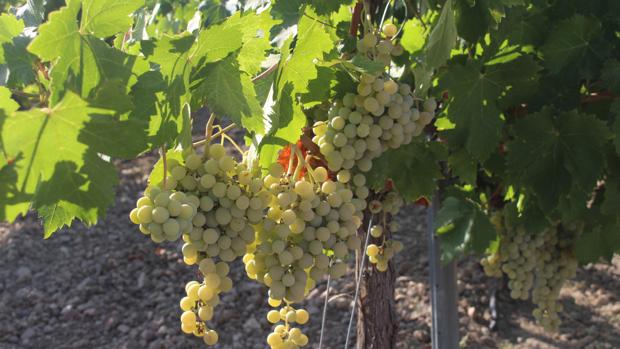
445, 328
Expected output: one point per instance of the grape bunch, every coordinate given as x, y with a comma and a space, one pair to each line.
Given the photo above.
306, 218
284, 335
517, 257
556, 264
380, 255
231, 199
387, 205
536, 265
381, 114
211, 201
164, 214
202, 298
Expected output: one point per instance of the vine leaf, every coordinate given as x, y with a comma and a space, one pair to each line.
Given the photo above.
286, 121
103, 18
611, 75
417, 171
442, 38
216, 43
413, 36
64, 177
463, 228
255, 37
298, 68
569, 150
478, 93
473, 109
10, 27
569, 41
285, 116
81, 61
228, 91
12, 201
600, 238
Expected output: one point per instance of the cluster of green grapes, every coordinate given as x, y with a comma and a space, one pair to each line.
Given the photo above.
309, 230
231, 200
164, 214
285, 336
381, 49
381, 252
516, 257
534, 264
382, 114
211, 201
202, 298
556, 264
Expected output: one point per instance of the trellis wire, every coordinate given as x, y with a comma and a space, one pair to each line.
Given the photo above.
358, 282
329, 277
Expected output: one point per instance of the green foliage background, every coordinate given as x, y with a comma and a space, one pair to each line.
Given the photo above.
528, 91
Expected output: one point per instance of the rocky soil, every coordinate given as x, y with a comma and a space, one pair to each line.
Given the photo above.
108, 286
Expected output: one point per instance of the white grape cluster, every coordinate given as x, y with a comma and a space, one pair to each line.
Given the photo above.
306, 218
164, 214
211, 201
380, 255
361, 126
534, 264
382, 114
381, 252
201, 299
556, 264
518, 254
231, 199
381, 49
285, 336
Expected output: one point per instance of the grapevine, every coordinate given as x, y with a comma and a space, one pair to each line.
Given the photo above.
507, 113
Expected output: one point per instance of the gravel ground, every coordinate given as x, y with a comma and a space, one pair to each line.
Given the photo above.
110, 287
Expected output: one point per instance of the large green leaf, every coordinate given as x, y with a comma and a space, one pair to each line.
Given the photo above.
255, 30
12, 201
463, 228
473, 108
229, 91
611, 75
442, 37
10, 27
64, 177
478, 94
313, 41
568, 149
414, 35
569, 41
103, 18
417, 170
286, 120
81, 61
216, 42
20, 62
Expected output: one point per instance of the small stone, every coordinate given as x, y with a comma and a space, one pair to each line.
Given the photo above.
23, 273
124, 328
27, 335
251, 323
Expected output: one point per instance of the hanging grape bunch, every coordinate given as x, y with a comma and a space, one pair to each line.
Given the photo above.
211, 201
381, 114
309, 230
536, 265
